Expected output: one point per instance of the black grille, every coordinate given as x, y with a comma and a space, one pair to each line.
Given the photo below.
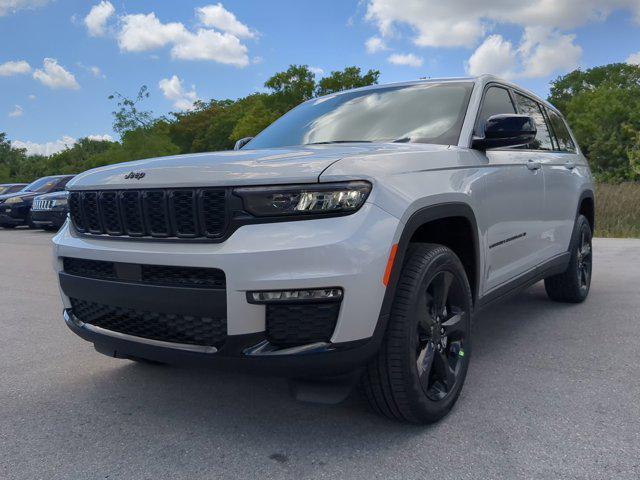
161, 275
89, 268
183, 276
167, 327
292, 325
177, 213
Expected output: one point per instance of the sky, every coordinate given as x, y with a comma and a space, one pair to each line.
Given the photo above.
61, 59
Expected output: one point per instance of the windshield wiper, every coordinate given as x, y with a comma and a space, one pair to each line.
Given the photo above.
338, 141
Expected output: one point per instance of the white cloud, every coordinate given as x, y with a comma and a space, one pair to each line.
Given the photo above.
16, 112
495, 55
464, 22
409, 59
544, 51
101, 138
211, 45
142, 32
219, 17
96, 72
633, 59
55, 76
32, 97
49, 148
14, 68
173, 90
11, 6
316, 70
375, 44
541, 52
97, 18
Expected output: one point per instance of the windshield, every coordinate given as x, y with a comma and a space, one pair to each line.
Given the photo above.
42, 184
425, 113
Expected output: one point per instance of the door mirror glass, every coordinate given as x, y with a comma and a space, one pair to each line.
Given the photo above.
506, 130
242, 142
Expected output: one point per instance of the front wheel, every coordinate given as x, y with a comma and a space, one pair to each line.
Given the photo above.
573, 285
418, 374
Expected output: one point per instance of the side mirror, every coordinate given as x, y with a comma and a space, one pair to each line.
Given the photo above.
242, 142
506, 131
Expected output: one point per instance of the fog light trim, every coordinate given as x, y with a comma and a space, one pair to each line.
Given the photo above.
301, 295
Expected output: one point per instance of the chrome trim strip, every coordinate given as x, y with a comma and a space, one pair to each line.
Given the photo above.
265, 348
131, 338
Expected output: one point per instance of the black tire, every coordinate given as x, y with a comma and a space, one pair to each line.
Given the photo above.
5, 225
408, 379
573, 285
29, 222
49, 228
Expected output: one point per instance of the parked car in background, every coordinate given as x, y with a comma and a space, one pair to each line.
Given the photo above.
15, 208
6, 188
49, 211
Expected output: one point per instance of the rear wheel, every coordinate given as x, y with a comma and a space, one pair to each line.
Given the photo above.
418, 374
573, 285
7, 225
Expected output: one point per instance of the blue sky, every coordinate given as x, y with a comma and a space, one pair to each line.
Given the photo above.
60, 59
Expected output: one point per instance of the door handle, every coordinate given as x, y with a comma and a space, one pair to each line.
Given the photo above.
533, 164
570, 164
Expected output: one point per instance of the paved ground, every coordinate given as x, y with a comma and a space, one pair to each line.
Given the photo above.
553, 392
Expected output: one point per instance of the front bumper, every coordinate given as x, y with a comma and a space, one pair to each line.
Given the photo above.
349, 252
13, 214
48, 218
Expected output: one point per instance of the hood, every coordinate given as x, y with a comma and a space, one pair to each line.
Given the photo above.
53, 196
26, 195
302, 164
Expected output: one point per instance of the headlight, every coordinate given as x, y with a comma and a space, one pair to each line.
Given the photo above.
311, 199
12, 200
61, 202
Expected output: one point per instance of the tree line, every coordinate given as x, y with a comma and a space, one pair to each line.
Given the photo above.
602, 106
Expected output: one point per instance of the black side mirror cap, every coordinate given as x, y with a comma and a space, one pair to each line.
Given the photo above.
507, 130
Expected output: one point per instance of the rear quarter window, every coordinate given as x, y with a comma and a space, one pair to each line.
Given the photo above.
565, 142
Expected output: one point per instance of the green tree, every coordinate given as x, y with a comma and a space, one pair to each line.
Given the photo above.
291, 87
348, 78
602, 106
128, 115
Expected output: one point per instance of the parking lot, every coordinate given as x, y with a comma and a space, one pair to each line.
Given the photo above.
553, 392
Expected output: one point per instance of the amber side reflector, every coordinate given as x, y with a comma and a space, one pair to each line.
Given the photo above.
387, 271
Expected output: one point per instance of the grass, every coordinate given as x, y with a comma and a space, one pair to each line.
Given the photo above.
618, 210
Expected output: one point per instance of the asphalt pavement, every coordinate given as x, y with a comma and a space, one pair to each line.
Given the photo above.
553, 392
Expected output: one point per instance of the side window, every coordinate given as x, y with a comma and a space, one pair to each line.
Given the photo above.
563, 136
63, 183
496, 101
526, 106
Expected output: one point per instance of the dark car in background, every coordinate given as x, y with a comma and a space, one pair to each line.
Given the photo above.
49, 211
7, 188
15, 208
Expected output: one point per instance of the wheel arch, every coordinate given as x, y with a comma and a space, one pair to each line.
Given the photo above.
586, 207
417, 224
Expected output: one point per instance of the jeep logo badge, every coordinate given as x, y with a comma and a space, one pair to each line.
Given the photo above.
136, 175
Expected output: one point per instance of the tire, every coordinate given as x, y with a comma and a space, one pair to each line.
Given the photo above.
573, 285
29, 222
5, 225
409, 380
50, 229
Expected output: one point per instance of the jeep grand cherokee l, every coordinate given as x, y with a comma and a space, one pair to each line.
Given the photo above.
15, 209
351, 240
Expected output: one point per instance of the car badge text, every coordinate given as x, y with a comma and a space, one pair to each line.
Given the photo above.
135, 175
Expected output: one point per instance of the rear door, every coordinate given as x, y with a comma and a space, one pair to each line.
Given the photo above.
562, 184
511, 201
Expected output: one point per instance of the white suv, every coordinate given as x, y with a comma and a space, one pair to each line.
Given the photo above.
349, 241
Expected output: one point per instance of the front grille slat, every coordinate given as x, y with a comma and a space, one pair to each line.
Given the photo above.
183, 213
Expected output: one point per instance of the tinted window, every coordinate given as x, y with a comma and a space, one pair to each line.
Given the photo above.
63, 182
565, 142
426, 113
496, 101
527, 106
44, 184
